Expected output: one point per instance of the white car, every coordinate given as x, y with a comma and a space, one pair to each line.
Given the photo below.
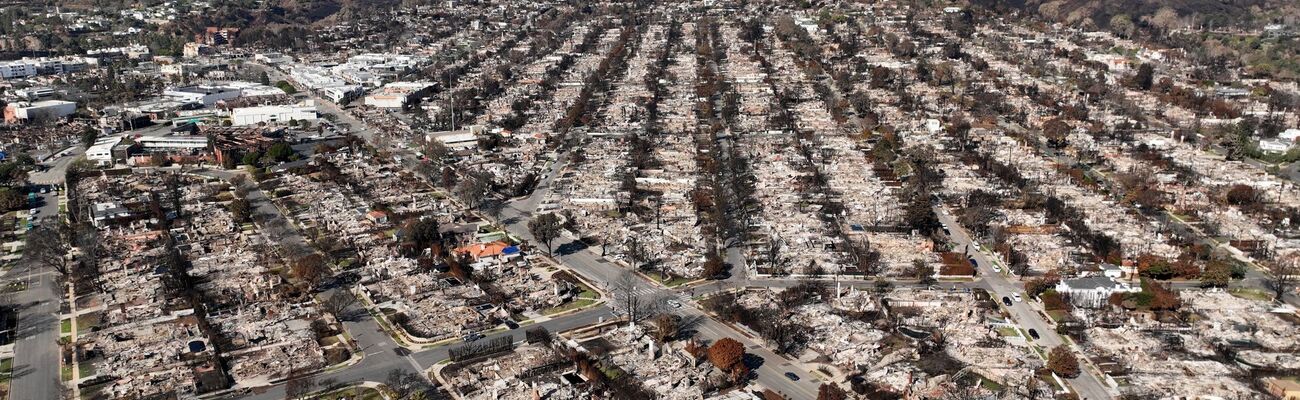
674, 304
997, 269
1017, 297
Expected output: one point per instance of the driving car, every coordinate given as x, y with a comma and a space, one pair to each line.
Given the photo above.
792, 376
674, 304
1017, 297
472, 337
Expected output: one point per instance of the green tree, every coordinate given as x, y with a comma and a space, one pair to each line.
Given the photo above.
88, 136
286, 87
251, 158
280, 152
1217, 274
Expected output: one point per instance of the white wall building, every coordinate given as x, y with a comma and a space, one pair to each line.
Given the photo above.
397, 94
1093, 291
174, 142
101, 153
273, 114
205, 94
46, 109
17, 69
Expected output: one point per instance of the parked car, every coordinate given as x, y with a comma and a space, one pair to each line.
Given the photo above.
674, 303
792, 376
472, 336
1033, 334
1006, 300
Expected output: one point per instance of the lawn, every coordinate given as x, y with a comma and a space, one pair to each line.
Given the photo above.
15, 287
1057, 315
65, 373
572, 305
672, 281
6, 367
1007, 331
65, 326
990, 385
1252, 294
87, 321
353, 393
611, 372
86, 369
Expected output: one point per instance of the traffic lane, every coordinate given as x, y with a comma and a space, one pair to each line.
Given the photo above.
770, 373
36, 360
566, 323
1088, 385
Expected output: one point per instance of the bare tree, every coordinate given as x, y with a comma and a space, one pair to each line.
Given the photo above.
627, 297
1284, 273
636, 251
772, 254
338, 303
46, 247
299, 386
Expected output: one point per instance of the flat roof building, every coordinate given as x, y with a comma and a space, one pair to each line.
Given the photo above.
273, 114
40, 110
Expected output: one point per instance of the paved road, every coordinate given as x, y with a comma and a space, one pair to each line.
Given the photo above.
602, 271
36, 360
1087, 385
382, 358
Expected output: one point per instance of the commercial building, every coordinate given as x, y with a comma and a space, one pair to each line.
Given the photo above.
48, 110
101, 153
173, 142
203, 94
397, 94
28, 67
17, 69
273, 114
212, 93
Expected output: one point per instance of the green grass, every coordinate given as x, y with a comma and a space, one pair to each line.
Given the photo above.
87, 321
990, 384
86, 369
353, 393
1057, 315
572, 305
15, 287
1251, 294
673, 280
6, 368
611, 372
65, 326
1007, 331
65, 373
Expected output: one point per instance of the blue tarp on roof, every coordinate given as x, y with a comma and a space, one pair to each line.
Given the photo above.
510, 250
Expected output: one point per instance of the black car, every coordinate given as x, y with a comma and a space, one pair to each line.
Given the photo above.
792, 376
1006, 300
1033, 334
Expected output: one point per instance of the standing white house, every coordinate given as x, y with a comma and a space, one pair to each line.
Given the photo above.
1092, 291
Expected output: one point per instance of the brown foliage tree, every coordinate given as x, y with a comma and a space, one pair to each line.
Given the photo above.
829, 391
726, 353
1063, 362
